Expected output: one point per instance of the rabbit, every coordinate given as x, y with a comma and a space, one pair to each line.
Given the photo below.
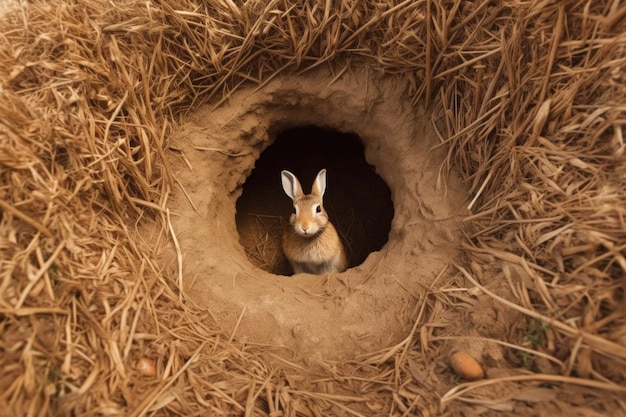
310, 242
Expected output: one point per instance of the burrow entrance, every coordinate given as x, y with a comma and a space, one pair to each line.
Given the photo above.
357, 199
371, 305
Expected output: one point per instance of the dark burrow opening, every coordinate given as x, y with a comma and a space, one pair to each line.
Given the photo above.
357, 199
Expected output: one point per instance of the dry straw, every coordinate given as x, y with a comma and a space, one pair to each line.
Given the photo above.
529, 100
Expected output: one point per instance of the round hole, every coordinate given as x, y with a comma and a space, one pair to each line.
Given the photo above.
357, 199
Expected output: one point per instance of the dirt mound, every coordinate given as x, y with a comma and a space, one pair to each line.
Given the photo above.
334, 316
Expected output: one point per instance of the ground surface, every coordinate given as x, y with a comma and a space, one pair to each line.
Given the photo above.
91, 89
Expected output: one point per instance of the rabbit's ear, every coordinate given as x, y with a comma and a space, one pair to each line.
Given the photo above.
319, 185
291, 185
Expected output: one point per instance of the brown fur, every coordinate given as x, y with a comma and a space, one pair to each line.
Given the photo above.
320, 250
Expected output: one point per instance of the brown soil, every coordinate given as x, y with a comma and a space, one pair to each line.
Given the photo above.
372, 305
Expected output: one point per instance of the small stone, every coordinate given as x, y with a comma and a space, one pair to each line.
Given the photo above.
466, 366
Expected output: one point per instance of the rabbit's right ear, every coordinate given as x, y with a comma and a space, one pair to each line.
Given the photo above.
291, 185
319, 185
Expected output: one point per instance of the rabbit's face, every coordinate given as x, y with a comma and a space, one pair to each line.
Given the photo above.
309, 217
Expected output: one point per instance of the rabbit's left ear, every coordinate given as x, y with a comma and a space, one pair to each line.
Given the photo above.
319, 185
291, 185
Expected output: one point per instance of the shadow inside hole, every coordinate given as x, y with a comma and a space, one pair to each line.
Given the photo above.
357, 200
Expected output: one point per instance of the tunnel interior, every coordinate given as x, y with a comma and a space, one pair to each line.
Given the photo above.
357, 199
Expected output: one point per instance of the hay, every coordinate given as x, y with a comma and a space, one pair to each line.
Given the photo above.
529, 99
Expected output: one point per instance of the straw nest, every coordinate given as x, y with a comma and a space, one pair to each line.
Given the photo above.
529, 97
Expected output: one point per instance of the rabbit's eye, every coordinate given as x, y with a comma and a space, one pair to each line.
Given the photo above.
318, 209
